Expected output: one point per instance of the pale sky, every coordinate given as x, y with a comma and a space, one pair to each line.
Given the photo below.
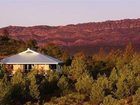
63, 12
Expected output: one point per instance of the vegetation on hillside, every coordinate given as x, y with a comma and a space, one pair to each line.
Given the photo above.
101, 79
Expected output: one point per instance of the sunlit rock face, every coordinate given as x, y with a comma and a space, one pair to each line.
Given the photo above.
82, 37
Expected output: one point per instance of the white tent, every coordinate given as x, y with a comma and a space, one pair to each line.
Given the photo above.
30, 57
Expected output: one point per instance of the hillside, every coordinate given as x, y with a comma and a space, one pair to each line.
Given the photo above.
88, 37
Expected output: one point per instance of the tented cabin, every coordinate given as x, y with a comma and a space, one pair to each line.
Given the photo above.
31, 60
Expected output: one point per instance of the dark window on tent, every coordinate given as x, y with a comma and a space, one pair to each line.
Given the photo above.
53, 66
28, 66
25, 67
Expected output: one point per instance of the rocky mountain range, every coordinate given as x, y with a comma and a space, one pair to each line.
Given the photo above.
87, 37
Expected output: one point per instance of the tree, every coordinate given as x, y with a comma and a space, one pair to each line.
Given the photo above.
16, 93
109, 100
1, 71
128, 53
33, 86
9, 46
52, 50
63, 84
34, 92
84, 84
18, 78
31, 43
125, 85
97, 93
15, 96
69, 99
48, 86
4, 87
114, 75
100, 88
5, 36
135, 63
113, 54
100, 56
78, 66
65, 58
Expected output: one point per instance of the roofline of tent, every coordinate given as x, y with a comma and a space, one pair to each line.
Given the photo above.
32, 63
55, 61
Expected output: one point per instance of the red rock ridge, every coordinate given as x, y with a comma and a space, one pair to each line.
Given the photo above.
108, 33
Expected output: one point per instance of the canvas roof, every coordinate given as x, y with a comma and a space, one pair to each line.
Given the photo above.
30, 57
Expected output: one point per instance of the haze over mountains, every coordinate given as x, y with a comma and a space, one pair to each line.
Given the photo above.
87, 37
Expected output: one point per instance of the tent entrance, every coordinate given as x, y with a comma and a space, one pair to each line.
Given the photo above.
28, 67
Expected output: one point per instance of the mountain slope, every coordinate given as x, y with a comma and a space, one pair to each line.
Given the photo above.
87, 37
